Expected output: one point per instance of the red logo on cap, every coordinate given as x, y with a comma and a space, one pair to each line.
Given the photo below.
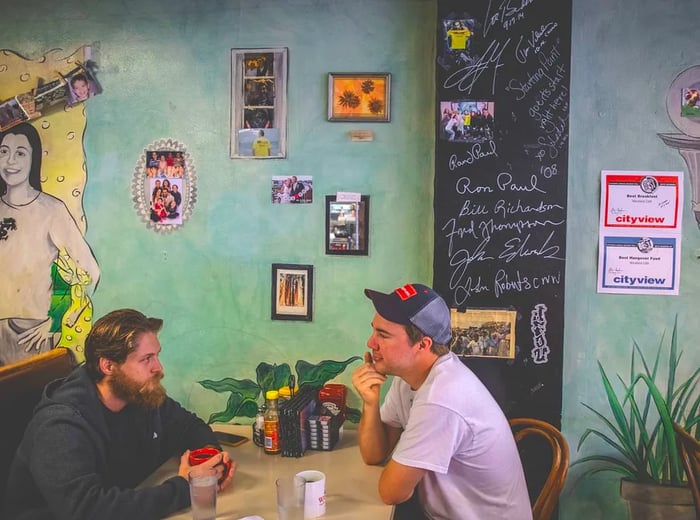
406, 292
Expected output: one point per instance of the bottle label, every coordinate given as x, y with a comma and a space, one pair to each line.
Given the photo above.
272, 436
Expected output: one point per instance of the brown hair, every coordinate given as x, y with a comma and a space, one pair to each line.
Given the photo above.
114, 336
415, 335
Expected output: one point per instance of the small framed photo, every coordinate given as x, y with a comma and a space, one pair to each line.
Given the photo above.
359, 97
483, 333
258, 103
292, 292
347, 226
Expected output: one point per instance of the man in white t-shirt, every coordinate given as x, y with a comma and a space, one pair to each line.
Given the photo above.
447, 437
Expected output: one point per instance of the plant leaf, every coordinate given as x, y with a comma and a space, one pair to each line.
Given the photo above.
318, 375
272, 377
245, 387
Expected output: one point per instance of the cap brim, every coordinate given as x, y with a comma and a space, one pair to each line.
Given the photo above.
387, 307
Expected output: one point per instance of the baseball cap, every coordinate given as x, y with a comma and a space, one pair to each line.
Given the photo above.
417, 304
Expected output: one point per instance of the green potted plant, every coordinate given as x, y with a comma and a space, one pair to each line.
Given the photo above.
641, 433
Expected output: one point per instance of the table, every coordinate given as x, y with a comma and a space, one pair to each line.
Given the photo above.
351, 485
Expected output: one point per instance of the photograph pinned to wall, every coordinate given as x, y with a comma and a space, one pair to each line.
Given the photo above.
292, 189
347, 226
467, 121
82, 85
460, 42
259, 142
165, 163
166, 200
292, 292
483, 333
164, 185
258, 103
359, 97
11, 113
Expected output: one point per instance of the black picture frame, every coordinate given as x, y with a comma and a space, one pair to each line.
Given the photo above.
347, 226
292, 292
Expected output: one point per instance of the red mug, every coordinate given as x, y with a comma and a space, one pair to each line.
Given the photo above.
204, 454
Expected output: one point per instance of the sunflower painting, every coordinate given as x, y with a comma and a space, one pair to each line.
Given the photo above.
358, 97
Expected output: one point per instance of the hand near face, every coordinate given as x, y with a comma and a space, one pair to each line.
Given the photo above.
368, 381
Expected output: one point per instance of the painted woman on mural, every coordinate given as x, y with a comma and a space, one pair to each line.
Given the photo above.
35, 228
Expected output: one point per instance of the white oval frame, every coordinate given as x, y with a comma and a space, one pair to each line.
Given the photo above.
142, 202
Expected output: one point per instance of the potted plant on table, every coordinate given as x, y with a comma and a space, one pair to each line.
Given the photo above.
641, 433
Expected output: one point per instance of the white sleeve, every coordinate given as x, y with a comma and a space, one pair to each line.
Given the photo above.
430, 438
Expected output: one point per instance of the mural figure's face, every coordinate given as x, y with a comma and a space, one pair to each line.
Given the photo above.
15, 159
81, 89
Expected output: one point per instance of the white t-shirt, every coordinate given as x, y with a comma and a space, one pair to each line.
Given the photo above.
453, 428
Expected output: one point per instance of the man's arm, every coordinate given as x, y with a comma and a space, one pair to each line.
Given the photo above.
376, 439
398, 481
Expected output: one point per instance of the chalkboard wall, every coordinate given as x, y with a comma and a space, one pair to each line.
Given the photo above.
500, 186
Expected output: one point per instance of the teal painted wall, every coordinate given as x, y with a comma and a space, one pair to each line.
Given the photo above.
165, 70
625, 55
164, 67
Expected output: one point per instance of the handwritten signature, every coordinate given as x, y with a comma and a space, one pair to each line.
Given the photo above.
466, 77
518, 247
473, 155
505, 13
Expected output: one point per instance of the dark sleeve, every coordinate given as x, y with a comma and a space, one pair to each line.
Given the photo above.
66, 461
183, 430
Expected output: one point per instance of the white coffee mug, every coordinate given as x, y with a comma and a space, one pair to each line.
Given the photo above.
315, 493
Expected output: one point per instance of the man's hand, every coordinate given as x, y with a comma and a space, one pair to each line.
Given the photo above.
367, 381
218, 461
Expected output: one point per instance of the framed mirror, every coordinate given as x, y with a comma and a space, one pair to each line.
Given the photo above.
347, 226
164, 185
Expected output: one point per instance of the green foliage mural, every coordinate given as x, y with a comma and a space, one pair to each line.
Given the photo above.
246, 394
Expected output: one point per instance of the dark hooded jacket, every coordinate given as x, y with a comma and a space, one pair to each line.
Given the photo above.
79, 461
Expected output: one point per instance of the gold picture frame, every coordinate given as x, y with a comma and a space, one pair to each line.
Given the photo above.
359, 97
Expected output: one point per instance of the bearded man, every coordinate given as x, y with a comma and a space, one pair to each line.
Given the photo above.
97, 434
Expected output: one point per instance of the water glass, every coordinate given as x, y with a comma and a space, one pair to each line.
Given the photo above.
203, 486
290, 498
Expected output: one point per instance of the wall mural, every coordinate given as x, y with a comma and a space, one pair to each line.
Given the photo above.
48, 269
245, 394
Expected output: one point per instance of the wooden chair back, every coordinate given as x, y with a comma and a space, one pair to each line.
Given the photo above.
547, 499
21, 386
689, 450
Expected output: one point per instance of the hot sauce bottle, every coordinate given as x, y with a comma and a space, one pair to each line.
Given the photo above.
272, 423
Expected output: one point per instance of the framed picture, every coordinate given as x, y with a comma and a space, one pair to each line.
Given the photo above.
258, 103
359, 97
164, 186
292, 292
483, 333
347, 226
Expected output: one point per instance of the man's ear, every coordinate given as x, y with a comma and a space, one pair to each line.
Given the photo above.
425, 343
106, 366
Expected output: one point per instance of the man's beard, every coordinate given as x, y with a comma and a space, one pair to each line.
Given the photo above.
150, 394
